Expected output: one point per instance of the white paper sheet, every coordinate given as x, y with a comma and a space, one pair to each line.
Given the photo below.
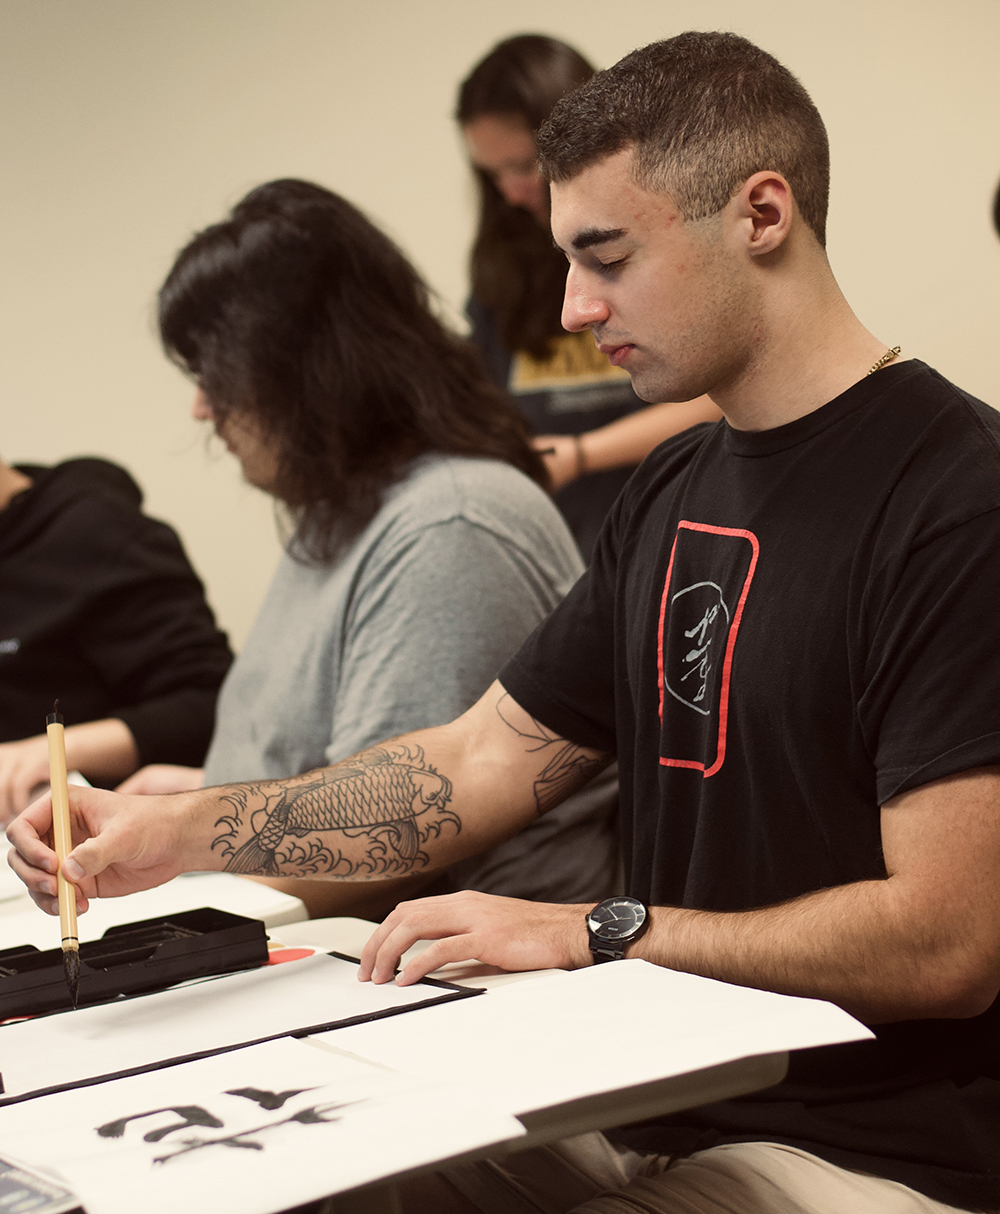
535, 1044
230, 1010
255, 1130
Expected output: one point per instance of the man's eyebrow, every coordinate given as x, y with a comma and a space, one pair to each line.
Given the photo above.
592, 236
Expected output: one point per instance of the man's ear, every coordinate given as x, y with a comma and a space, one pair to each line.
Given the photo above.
764, 210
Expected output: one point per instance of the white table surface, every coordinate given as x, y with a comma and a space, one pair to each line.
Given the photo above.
21, 922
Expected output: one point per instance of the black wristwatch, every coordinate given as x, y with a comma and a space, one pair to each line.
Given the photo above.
613, 924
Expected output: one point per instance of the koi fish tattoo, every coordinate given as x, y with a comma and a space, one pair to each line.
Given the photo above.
364, 818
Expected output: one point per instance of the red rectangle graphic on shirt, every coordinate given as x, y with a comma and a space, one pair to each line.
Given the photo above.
704, 592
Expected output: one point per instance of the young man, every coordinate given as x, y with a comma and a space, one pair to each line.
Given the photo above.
782, 639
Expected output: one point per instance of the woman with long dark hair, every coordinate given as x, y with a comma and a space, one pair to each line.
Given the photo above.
591, 426
421, 547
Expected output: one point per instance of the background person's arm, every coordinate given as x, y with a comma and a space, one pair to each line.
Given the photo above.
416, 803
620, 443
922, 943
103, 751
157, 779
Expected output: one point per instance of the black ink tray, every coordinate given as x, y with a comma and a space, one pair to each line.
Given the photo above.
131, 959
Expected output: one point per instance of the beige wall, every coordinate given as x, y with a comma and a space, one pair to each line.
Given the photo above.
128, 124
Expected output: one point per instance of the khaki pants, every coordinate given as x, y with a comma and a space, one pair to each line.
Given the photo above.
588, 1175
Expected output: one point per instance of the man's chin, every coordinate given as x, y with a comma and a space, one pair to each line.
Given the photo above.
647, 387
655, 390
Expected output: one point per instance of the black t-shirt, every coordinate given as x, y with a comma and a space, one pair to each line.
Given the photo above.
99, 606
780, 631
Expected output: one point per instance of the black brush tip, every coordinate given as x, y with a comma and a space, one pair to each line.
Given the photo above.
71, 967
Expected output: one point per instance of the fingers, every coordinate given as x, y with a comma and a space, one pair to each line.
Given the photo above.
465, 926
455, 944
34, 859
23, 766
378, 962
35, 864
467, 947
470, 926
29, 832
40, 882
410, 922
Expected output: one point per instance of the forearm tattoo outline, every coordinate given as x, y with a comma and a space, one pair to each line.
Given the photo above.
567, 768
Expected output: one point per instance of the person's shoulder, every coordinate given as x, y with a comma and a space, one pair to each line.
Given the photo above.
90, 510
81, 499
93, 477
941, 449
981, 420
948, 427
446, 486
488, 494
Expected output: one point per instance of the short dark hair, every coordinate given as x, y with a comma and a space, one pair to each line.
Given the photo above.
298, 312
516, 271
702, 112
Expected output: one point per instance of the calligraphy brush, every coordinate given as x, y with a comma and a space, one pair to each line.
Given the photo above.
64, 845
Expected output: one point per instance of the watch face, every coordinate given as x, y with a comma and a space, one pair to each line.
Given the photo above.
617, 918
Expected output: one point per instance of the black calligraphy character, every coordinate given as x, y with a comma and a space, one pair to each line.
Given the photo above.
320, 1114
267, 1100
193, 1114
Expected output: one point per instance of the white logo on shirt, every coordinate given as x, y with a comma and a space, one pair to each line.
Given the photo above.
696, 664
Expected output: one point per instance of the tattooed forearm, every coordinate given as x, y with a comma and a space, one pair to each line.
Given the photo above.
366, 817
567, 767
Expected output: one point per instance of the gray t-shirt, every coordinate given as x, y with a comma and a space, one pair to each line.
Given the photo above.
405, 630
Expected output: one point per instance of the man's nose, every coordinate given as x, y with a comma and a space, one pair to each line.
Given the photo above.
582, 308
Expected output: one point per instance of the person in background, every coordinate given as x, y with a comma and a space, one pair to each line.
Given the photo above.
422, 548
590, 425
99, 606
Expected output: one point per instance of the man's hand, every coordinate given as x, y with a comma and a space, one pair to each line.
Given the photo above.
469, 926
23, 766
120, 845
159, 779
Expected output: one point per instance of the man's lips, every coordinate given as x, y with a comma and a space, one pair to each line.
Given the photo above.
617, 354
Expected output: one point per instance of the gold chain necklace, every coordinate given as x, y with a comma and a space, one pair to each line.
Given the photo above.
886, 358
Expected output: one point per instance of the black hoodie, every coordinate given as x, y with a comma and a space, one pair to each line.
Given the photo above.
99, 606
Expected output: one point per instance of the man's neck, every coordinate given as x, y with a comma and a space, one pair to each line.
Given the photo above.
813, 348
12, 482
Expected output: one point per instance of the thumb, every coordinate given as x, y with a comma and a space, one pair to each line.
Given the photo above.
72, 869
90, 858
